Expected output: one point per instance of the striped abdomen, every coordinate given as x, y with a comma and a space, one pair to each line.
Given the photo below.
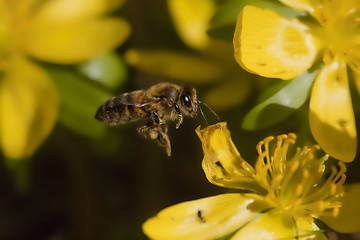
124, 108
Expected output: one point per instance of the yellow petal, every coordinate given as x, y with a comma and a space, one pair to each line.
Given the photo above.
274, 225
331, 117
222, 163
191, 20
348, 219
176, 65
78, 41
207, 218
60, 11
307, 229
29, 107
303, 5
272, 46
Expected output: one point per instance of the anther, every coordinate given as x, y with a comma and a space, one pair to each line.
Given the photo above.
316, 147
258, 147
290, 141
342, 167
268, 139
282, 136
310, 155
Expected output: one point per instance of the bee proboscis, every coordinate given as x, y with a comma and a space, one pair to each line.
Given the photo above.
160, 103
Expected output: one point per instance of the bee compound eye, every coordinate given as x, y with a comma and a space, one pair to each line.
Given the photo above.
186, 100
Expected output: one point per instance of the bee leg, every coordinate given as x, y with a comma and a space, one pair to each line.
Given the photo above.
164, 128
155, 117
179, 121
146, 130
157, 132
142, 130
163, 140
179, 117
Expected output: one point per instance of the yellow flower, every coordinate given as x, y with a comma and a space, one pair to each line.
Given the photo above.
283, 194
274, 46
57, 31
191, 19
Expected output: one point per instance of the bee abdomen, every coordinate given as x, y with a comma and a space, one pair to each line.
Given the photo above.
124, 108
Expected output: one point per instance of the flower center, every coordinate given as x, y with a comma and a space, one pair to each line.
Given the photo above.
296, 185
339, 30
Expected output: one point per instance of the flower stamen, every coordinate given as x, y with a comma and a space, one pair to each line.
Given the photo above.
295, 185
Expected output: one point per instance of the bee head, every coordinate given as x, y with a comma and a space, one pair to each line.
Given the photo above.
188, 101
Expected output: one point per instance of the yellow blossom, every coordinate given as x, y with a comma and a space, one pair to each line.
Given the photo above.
271, 45
283, 194
191, 19
57, 31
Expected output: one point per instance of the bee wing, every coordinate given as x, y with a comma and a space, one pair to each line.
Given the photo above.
139, 105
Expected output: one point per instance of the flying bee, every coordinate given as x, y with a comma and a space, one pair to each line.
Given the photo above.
160, 103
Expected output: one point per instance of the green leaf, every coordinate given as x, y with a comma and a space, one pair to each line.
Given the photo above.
280, 105
108, 69
222, 24
223, 32
79, 101
228, 94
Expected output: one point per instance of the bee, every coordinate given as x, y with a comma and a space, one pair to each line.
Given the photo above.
157, 105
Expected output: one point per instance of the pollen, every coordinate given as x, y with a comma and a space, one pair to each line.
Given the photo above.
153, 135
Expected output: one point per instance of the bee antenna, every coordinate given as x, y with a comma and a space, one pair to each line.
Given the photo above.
213, 112
202, 113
